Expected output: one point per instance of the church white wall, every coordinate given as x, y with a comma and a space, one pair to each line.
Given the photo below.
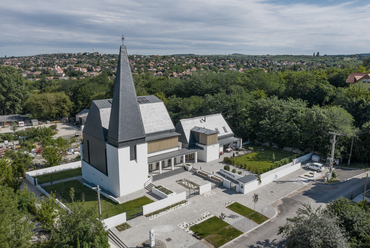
94, 176
132, 174
209, 153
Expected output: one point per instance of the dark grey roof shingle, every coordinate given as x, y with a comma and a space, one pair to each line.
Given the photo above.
125, 122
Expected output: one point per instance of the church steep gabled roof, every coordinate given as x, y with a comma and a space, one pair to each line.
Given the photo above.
125, 123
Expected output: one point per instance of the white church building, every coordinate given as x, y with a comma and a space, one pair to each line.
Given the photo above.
129, 136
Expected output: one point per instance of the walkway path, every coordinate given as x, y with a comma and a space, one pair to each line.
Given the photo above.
166, 226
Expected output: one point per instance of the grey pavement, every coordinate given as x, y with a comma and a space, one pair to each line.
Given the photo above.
316, 194
166, 226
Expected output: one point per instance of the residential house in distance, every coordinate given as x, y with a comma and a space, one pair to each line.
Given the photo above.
359, 79
58, 71
128, 137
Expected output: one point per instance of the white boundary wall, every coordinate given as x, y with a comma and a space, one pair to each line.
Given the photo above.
154, 206
226, 183
275, 174
30, 175
205, 188
48, 196
114, 221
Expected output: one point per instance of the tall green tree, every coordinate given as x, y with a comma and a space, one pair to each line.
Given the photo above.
79, 227
49, 105
51, 155
354, 219
15, 225
13, 90
313, 229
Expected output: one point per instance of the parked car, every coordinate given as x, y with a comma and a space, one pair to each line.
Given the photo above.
315, 166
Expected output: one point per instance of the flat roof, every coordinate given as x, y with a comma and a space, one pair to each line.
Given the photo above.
228, 140
247, 178
168, 155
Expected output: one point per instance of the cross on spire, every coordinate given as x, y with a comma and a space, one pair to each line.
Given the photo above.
123, 39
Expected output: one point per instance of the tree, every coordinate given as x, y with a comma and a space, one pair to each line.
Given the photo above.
20, 161
13, 126
13, 90
47, 211
49, 105
15, 225
366, 63
51, 155
313, 229
353, 219
7, 175
79, 227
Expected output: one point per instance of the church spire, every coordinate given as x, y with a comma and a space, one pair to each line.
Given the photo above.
125, 124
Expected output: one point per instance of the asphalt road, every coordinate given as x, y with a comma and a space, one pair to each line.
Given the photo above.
315, 194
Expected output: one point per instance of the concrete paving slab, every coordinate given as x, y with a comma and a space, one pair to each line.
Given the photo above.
198, 245
244, 224
267, 211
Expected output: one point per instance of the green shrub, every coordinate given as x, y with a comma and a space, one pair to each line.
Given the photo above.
334, 174
234, 170
239, 172
227, 167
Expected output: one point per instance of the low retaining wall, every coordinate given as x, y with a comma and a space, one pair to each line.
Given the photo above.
104, 194
205, 188
154, 206
162, 194
114, 221
48, 196
30, 175
230, 174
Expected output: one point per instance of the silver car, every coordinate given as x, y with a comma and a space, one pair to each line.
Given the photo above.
315, 166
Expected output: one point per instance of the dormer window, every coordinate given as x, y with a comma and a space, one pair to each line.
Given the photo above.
225, 130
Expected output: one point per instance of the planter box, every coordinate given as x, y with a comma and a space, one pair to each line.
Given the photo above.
160, 193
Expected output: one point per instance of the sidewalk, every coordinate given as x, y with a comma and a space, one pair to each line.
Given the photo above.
166, 226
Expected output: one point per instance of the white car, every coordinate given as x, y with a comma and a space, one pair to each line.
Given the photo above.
315, 166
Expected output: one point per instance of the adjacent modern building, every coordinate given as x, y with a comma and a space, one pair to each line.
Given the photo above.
129, 136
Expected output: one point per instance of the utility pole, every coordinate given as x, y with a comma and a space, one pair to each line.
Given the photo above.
333, 141
350, 153
99, 205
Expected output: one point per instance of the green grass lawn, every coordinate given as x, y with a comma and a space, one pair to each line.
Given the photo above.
59, 175
223, 236
247, 212
263, 159
208, 227
109, 208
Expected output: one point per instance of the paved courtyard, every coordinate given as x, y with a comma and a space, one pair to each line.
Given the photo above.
166, 226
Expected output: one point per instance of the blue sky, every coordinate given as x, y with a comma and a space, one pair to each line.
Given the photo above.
188, 26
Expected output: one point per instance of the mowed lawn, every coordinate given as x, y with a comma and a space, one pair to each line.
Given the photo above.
247, 212
263, 159
215, 231
109, 208
59, 175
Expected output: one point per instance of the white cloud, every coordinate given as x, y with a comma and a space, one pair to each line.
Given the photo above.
188, 26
